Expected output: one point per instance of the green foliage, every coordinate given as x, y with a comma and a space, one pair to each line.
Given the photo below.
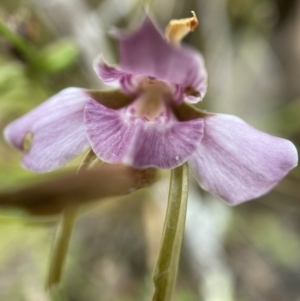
58, 56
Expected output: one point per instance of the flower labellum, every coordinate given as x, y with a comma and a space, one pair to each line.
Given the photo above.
148, 120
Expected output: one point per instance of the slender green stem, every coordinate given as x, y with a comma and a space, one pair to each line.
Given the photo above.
60, 246
165, 270
88, 160
64, 233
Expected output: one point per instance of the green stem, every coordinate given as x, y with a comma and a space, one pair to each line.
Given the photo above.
64, 233
165, 270
60, 246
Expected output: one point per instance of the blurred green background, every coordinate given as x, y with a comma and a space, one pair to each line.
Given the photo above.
246, 253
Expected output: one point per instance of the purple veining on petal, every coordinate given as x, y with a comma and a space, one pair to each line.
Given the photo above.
237, 162
118, 137
57, 130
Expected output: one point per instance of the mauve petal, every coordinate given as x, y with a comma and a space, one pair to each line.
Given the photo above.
117, 138
57, 128
146, 52
115, 77
239, 163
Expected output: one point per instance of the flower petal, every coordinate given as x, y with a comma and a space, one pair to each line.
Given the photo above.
239, 163
56, 129
146, 52
115, 77
118, 138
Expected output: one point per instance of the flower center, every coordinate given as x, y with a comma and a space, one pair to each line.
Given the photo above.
153, 101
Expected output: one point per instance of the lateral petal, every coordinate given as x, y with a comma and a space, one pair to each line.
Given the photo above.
238, 162
54, 131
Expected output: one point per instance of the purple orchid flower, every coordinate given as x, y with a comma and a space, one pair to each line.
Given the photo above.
148, 122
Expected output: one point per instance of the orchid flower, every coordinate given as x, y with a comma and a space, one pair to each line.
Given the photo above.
148, 121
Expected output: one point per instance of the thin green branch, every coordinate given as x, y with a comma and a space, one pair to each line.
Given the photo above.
165, 270
61, 246
64, 233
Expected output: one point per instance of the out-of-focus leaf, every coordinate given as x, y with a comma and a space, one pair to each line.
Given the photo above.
58, 56
18, 41
53, 196
10, 72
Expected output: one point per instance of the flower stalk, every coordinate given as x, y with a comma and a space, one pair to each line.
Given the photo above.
64, 233
165, 270
61, 246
